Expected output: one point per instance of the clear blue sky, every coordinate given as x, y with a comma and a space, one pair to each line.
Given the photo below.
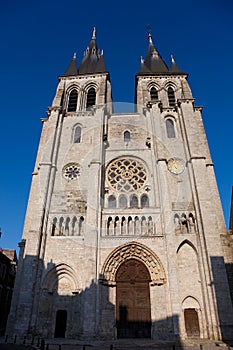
38, 39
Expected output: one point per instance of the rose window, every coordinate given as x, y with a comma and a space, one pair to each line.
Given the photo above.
126, 174
71, 171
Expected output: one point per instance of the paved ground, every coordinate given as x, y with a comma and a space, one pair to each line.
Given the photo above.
15, 347
121, 344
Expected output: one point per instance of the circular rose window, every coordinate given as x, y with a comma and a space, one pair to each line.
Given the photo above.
71, 171
126, 174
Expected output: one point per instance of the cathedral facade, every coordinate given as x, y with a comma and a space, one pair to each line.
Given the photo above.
122, 236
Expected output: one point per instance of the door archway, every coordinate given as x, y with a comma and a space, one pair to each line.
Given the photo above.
133, 308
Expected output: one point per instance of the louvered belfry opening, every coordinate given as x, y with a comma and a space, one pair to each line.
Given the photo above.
73, 99
91, 96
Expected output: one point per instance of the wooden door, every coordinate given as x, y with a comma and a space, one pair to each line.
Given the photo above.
133, 309
191, 323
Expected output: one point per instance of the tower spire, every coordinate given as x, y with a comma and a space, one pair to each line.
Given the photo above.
174, 68
72, 68
153, 62
94, 34
93, 60
150, 38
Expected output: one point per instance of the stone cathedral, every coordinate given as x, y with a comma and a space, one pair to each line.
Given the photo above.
122, 236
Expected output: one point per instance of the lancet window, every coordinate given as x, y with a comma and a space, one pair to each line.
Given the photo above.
170, 128
171, 96
73, 100
91, 97
77, 134
153, 94
126, 136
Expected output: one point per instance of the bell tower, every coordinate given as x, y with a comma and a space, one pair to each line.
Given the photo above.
190, 208
64, 202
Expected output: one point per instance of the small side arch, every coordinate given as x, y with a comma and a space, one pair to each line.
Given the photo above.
186, 241
58, 272
192, 317
171, 84
190, 302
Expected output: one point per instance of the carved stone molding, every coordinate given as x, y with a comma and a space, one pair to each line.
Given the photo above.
61, 279
133, 250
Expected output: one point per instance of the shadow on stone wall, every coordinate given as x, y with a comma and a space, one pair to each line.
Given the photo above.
51, 304
224, 302
229, 269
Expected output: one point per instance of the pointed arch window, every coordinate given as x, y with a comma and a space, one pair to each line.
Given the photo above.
77, 134
171, 96
122, 201
153, 94
91, 97
126, 136
170, 128
112, 202
144, 201
54, 225
133, 201
73, 99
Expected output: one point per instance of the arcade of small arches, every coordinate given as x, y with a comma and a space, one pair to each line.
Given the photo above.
185, 223
128, 201
67, 226
130, 226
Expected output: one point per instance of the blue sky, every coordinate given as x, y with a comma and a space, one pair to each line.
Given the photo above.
38, 39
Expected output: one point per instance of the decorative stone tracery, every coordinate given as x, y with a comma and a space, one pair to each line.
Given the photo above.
133, 250
126, 174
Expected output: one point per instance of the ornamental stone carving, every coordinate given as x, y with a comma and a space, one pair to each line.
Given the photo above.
60, 279
126, 174
133, 250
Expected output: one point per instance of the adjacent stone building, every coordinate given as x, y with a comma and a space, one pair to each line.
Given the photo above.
122, 236
8, 266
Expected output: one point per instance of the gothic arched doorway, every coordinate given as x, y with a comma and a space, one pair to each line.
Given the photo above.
133, 309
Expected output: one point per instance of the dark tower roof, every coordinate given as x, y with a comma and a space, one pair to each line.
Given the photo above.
153, 62
72, 68
174, 68
93, 60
